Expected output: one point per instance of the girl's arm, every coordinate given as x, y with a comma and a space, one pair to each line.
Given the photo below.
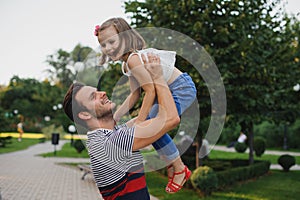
130, 101
144, 79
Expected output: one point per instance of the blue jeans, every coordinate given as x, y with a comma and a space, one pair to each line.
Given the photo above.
184, 93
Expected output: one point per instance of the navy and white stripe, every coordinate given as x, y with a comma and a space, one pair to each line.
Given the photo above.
111, 154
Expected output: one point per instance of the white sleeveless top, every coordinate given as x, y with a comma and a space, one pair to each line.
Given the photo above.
167, 60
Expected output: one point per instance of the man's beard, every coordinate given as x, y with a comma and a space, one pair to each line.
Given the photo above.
105, 115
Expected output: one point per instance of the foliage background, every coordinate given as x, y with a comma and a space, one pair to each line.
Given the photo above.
254, 44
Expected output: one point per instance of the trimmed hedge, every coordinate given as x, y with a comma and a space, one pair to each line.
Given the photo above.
259, 146
79, 146
204, 180
286, 161
236, 174
240, 147
212, 176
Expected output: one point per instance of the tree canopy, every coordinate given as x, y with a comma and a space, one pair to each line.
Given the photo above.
254, 45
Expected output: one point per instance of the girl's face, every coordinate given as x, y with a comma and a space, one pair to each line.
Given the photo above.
110, 41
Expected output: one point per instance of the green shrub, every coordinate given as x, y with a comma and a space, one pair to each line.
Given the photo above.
47, 131
218, 165
271, 132
240, 147
242, 173
239, 162
286, 161
259, 146
205, 180
293, 134
79, 146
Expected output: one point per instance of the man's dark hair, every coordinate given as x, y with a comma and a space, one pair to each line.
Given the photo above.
70, 105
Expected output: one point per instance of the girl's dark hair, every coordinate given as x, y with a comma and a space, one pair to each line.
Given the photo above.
132, 39
71, 106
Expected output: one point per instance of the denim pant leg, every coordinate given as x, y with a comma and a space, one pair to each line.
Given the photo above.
184, 93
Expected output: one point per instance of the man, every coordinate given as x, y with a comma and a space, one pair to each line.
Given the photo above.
242, 138
115, 160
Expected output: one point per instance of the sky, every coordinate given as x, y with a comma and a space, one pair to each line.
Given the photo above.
33, 29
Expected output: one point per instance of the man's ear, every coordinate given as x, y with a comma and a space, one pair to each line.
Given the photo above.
84, 115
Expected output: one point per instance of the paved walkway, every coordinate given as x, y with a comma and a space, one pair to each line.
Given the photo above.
25, 176
271, 152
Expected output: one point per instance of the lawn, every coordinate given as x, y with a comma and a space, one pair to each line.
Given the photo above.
66, 152
276, 185
17, 146
214, 154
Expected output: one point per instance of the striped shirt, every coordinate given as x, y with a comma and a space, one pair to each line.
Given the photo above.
131, 187
111, 154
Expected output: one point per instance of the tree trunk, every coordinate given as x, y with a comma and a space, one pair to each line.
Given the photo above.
247, 127
250, 142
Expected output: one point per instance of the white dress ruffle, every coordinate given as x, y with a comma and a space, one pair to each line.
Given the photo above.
167, 60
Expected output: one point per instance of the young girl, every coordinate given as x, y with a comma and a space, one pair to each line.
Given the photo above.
119, 41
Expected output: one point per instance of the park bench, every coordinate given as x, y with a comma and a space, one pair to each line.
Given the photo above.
86, 169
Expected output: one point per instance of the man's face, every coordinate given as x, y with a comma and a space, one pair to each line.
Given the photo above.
95, 101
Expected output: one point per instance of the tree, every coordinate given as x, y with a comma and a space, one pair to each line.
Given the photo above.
62, 70
59, 71
251, 43
33, 100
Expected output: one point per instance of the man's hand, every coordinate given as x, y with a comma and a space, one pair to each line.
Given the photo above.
153, 66
149, 131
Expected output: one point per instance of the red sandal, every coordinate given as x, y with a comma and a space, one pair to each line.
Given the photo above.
173, 187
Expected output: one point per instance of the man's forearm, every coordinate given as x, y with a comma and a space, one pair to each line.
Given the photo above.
167, 118
165, 100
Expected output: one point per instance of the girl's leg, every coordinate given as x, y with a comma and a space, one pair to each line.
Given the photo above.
167, 150
184, 93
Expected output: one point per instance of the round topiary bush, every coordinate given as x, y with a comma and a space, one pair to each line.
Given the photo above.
286, 162
240, 147
205, 180
259, 146
79, 146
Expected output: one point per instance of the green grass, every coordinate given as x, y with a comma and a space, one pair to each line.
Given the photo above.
277, 185
67, 151
215, 154
157, 183
17, 146
288, 150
